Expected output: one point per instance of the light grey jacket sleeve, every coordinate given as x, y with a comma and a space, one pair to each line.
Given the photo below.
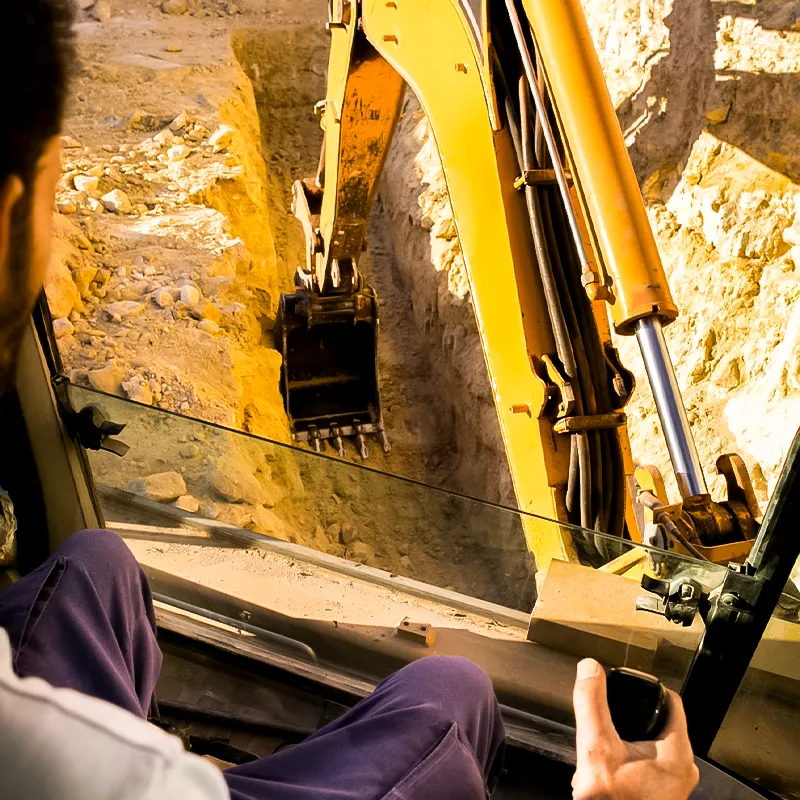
63, 745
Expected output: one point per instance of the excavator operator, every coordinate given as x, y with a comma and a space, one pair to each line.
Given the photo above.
78, 653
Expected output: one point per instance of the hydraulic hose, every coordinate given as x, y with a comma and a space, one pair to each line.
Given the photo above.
558, 323
600, 468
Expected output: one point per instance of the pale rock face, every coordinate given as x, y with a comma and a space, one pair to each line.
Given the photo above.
361, 552
86, 183
174, 7
102, 11
221, 138
178, 153
163, 298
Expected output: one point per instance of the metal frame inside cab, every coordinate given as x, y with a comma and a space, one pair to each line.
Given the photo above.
46, 470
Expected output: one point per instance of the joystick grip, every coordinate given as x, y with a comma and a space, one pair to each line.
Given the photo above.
638, 703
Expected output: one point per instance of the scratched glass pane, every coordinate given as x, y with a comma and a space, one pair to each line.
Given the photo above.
271, 523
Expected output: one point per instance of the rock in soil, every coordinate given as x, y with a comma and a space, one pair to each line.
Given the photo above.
361, 552
86, 183
124, 309
163, 298
108, 379
101, 11
187, 503
138, 390
117, 201
190, 295
162, 487
62, 327
232, 482
174, 7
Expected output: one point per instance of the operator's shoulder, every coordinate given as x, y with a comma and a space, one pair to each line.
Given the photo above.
60, 743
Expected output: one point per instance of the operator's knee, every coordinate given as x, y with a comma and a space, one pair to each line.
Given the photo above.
455, 685
99, 550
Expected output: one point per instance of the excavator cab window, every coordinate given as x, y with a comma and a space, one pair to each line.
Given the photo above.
330, 575
288, 582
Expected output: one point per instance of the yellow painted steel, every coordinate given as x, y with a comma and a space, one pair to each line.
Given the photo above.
429, 44
596, 151
356, 143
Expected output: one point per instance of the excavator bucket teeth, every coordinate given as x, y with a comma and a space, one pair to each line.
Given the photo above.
329, 377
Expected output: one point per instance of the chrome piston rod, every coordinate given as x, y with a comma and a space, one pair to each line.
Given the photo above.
671, 411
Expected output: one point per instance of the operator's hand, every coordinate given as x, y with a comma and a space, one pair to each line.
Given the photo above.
610, 769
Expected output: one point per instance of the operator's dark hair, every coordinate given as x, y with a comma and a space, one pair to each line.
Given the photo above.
37, 58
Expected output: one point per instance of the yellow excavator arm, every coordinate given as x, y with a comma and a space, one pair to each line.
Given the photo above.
556, 240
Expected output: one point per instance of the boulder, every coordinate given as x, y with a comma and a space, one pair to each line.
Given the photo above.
187, 503
334, 532
124, 309
360, 552
86, 183
101, 11
174, 7
107, 379
180, 122
83, 276
66, 207
348, 534
162, 487
163, 298
268, 522
177, 153
164, 137
320, 541
138, 390
117, 201
190, 295
221, 139
189, 451
232, 482
272, 494
62, 327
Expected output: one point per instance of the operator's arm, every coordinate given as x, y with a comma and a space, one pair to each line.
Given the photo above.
611, 769
64, 745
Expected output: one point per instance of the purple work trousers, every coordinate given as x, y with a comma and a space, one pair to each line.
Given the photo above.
84, 620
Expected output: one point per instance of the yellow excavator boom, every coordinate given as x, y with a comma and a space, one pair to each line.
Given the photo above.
555, 237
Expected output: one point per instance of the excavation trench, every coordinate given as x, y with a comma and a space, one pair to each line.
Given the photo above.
437, 402
172, 303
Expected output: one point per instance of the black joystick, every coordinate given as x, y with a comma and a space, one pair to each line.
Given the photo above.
638, 702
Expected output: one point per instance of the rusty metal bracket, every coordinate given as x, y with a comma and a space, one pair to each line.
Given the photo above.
594, 422
622, 379
678, 600
539, 177
339, 15
420, 632
566, 403
740, 488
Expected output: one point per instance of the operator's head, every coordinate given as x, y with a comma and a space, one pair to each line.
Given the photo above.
36, 57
